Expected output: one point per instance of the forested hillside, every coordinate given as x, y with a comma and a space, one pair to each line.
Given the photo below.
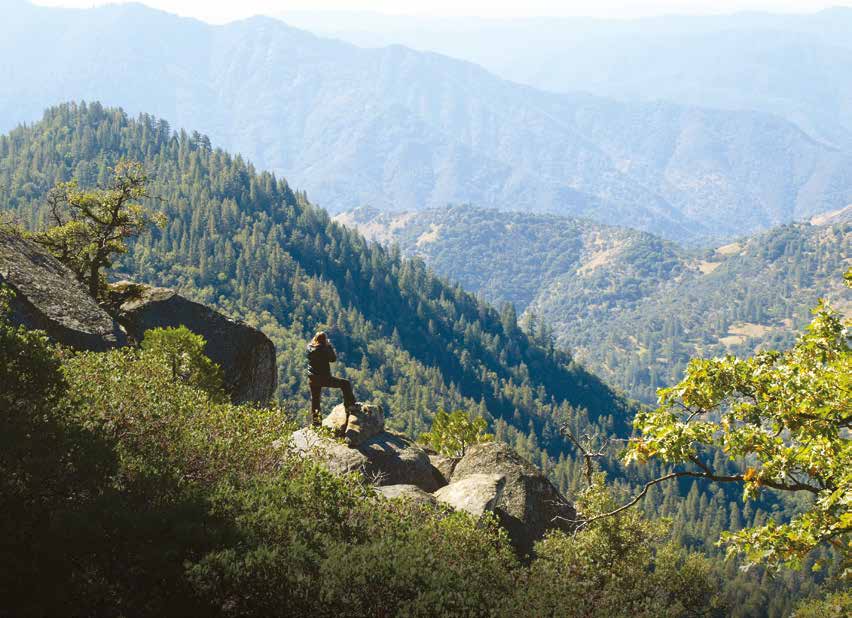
630, 305
245, 242
399, 130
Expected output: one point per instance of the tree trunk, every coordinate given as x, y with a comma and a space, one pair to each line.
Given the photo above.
94, 279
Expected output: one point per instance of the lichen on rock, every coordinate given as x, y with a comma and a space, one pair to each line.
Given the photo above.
48, 297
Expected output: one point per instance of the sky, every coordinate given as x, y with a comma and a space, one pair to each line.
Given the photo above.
222, 11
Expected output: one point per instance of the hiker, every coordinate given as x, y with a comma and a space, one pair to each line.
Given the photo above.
320, 354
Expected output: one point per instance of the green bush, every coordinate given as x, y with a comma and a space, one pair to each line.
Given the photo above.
616, 566
183, 352
451, 434
835, 605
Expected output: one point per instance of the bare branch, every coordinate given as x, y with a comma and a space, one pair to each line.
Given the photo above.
582, 523
588, 456
707, 474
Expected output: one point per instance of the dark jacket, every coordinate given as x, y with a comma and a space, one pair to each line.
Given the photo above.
319, 357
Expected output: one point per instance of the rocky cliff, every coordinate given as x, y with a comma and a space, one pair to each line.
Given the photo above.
48, 297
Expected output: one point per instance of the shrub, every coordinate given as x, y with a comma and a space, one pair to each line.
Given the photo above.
451, 434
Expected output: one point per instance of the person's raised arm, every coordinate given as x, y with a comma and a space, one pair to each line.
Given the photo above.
332, 355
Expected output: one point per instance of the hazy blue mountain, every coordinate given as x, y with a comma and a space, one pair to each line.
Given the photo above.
633, 307
398, 129
795, 66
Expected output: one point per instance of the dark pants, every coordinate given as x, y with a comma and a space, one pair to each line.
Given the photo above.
318, 383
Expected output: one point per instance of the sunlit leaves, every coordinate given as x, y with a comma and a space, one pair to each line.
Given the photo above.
89, 227
788, 414
451, 434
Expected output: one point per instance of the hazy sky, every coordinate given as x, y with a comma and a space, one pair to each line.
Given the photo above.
219, 11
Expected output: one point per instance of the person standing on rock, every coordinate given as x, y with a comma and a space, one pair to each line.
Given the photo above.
320, 355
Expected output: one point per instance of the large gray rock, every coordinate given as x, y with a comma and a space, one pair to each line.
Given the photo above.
49, 297
337, 457
385, 459
408, 492
246, 355
529, 504
362, 422
474, 494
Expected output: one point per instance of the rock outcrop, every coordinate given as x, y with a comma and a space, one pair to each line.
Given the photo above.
357, 425
48, 297
246, 355
491, 477
387, 458
528, 504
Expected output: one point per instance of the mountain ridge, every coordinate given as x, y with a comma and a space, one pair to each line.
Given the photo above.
399, 129
784, 64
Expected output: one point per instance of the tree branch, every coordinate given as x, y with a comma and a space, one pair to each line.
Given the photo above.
707, 474
588, 456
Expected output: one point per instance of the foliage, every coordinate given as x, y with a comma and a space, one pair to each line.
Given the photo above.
834, 605
89, 227
786, 416
622, 566
320, 546
188, 436
175, 505
451, 434
65, 525
183, 351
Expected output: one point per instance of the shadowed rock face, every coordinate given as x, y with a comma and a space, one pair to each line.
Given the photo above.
394, 459
443, 465
528, 504
246, 355
48, 297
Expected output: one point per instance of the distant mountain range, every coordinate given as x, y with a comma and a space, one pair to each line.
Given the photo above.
795, 66
632, 306
402, 130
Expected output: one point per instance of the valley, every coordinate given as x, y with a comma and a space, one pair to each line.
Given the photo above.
632, 307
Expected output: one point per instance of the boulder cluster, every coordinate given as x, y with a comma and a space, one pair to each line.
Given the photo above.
48, 297
489, 477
